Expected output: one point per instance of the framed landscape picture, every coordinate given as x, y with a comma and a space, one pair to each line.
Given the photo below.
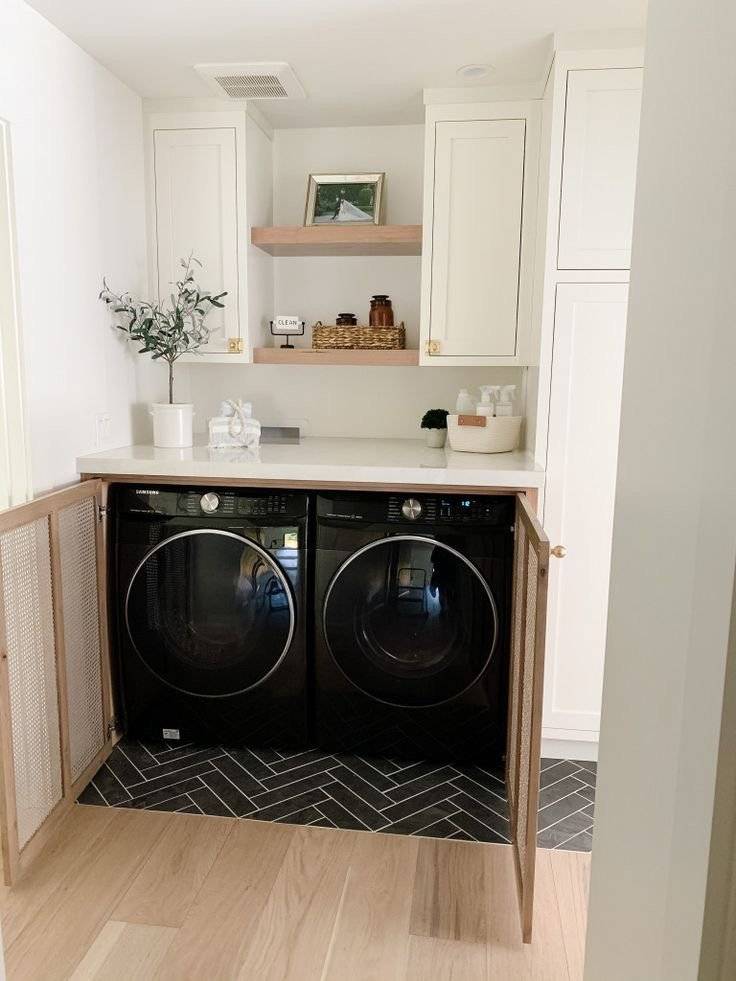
344, 199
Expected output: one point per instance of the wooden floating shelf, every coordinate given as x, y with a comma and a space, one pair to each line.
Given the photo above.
306, 355
285, 240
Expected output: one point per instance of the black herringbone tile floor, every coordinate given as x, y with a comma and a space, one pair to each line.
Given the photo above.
344, 791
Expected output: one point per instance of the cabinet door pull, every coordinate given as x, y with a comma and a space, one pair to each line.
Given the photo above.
559, 551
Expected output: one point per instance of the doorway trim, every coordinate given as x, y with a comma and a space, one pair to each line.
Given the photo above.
15, 475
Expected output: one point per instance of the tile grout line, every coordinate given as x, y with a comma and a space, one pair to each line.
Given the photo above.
247, 772
162, 776
356, 774
565, 818
559, 800
503, 817
215, 794
136, 768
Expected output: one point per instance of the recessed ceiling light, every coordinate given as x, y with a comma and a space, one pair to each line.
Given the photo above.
472, 73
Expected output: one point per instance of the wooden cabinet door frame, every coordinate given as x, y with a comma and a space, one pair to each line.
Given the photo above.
53, 625
526, 682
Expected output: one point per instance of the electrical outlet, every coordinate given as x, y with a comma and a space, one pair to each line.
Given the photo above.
103, 424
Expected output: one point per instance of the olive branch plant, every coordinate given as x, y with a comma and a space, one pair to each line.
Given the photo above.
170, 329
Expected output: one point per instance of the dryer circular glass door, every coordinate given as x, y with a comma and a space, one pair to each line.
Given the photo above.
410, 621
210, 613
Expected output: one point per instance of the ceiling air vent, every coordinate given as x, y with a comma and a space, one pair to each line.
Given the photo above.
255, 80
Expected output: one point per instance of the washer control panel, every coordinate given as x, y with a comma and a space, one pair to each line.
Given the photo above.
201, 502
229, 504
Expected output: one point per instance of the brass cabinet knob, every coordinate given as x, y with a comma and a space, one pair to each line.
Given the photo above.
559, 551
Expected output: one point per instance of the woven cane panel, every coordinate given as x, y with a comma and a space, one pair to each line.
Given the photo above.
527, 702
77, 540
25, 561
516, 636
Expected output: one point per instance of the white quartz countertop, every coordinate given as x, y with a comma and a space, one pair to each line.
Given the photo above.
323, 461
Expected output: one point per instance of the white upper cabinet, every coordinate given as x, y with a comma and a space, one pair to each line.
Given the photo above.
599, 168
200, 165
480, 198
196, 200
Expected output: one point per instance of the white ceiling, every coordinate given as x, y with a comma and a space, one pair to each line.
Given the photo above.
360, 61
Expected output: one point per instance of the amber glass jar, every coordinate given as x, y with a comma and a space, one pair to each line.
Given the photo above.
382, 313
346, 320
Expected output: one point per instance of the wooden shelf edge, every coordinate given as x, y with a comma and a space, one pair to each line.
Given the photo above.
336, 240
277, 355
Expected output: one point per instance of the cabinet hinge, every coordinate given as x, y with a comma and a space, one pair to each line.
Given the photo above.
101, 511
112, 727
235, 345
432, 347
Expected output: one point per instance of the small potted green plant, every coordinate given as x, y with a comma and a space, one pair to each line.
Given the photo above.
435, 423
166, 331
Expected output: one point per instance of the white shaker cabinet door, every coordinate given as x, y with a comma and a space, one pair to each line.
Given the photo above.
196, 210
599, 168
585, 405
476, 238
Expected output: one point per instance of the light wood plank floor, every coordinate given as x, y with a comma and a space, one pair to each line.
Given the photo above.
125, 894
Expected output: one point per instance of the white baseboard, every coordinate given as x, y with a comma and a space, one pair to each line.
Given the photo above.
570, 749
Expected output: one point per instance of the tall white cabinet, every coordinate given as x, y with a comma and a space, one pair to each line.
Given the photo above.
584, 410
600, 145
480, 197
591, 125
203, 168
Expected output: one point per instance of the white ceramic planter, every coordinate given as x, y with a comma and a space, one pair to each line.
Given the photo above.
436, 438
172, 424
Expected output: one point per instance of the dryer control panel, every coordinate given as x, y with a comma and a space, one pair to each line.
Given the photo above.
448, 509
416, 509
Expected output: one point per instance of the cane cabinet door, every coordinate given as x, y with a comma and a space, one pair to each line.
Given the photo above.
55, 705
528, 622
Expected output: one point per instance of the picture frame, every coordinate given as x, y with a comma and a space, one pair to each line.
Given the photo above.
344, 199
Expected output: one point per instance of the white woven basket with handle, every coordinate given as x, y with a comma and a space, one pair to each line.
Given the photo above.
500, 434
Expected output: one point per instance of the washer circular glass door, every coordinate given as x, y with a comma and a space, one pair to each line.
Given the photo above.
209, 612
410, 621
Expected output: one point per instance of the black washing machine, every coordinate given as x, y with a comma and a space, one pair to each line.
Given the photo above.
210, 600
412, 601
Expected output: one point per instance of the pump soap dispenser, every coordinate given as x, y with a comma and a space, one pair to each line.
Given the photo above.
485, 406
505, 404
464, 405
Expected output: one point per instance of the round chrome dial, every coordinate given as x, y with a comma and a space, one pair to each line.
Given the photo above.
209, 502
411, 508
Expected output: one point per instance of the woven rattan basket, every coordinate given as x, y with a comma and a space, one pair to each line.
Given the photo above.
329, 336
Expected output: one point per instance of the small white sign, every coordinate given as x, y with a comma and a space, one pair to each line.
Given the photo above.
171, 733
287, 325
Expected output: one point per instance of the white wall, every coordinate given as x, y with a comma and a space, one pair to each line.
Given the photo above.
319, 288
343, 401
337, 400
674, 544
77, 146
